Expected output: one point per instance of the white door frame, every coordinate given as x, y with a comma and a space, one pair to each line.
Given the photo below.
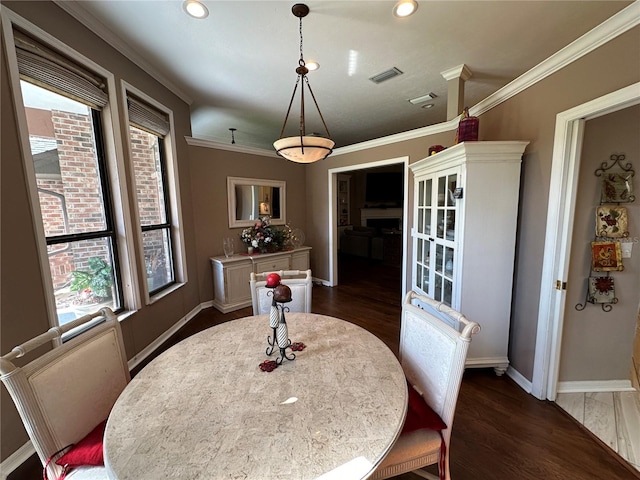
333, 224
560, 215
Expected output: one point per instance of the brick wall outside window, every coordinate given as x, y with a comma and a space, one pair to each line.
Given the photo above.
149, 190
77, 193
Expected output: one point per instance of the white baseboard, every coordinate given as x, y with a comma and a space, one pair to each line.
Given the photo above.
208, 304
595, 386
16, 459
517, 377
321, 281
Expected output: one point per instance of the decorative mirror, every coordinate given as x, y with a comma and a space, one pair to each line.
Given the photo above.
251, 198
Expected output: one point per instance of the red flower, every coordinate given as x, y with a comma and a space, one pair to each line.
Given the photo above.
268, 365
298, 346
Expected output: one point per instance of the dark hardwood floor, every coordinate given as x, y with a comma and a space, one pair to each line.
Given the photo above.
500, 432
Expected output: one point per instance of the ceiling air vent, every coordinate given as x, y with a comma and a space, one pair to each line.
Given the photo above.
386, 75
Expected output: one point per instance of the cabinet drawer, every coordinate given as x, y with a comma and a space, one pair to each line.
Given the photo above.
272, 265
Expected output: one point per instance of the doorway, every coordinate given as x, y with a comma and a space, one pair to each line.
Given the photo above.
333, 213
560, 222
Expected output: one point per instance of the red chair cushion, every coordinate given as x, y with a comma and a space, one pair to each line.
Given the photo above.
420, 415
87, 452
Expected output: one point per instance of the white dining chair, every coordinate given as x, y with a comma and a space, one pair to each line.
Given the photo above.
434, 340
67, 391
299, 281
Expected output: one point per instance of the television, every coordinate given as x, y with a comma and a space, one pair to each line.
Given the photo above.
384, 188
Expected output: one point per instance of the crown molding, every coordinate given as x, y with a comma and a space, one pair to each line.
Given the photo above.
199, 142
398, 137
618, 24
101, 30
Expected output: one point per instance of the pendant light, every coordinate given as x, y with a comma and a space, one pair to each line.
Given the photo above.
303, 148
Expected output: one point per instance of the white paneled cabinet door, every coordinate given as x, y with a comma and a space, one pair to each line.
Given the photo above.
464, 235
435, 236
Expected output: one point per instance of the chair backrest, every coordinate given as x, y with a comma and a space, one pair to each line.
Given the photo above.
64, 393
299, 281
434, 340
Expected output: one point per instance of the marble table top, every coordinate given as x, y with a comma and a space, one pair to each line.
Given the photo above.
203, 409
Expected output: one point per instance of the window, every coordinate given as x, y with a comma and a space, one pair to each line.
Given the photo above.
63, 104
147, 130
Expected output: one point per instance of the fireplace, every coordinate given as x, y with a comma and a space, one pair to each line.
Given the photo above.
381, 217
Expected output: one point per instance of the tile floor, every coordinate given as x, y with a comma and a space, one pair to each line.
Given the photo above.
614, 417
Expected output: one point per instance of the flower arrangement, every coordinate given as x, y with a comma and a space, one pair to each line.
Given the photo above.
265, 237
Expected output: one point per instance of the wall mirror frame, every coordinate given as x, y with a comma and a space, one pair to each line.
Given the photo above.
250, 198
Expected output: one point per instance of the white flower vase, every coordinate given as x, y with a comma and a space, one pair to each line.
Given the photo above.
250, 250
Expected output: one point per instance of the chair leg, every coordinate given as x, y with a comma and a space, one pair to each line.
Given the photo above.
427, 475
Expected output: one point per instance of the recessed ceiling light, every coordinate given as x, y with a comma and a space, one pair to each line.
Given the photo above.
427, 105
423, 98
404, 8
311, 66
195, 9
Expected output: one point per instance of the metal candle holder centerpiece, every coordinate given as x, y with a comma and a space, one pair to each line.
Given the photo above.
281, 294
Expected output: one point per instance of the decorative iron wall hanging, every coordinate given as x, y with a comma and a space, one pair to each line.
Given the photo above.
611, 226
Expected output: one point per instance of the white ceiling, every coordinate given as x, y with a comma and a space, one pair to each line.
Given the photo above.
237, 66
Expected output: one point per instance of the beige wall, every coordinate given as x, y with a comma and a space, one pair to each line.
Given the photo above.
597, 345
23, 310
210, 169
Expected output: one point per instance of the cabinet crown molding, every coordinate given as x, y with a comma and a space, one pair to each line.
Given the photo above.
470, 152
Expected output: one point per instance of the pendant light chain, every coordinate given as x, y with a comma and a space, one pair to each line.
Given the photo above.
301, 61
302, 73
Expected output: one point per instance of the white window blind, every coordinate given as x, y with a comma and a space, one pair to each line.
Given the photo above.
42, 66
147, 117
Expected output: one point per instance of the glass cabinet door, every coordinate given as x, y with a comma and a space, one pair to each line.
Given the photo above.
435, 235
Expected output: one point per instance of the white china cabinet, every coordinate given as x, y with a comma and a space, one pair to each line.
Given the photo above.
464, 235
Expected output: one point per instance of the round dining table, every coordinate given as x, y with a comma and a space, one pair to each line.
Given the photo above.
204, 409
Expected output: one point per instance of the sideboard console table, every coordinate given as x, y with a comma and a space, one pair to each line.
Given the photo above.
231, 275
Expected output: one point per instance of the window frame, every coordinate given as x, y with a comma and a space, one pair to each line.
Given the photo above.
171, 193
